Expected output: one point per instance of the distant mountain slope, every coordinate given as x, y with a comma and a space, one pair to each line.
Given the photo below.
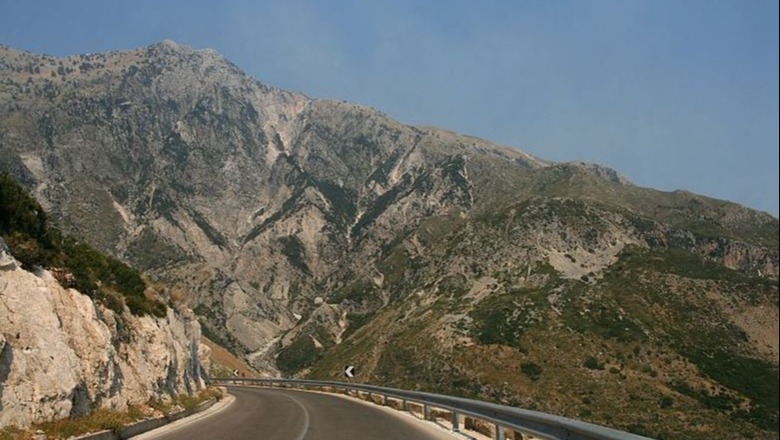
310, 232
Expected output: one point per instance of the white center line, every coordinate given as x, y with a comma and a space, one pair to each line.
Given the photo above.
305, 429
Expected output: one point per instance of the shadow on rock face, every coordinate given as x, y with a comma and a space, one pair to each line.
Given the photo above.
6, 358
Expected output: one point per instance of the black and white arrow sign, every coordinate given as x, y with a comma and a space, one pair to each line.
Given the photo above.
349, 371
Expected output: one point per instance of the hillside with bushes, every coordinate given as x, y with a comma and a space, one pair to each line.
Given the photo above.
33, 241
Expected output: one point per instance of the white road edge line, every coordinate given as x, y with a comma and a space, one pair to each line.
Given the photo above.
460, 435
215, 409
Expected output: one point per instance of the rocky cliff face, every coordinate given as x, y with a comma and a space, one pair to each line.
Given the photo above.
314, 231
62, 355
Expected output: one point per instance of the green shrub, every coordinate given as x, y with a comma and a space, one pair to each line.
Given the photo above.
532, 370
753, 378
356, 321
499, 320
295, 251
24, 227
358, 292
716, 401
300, 354
592, 364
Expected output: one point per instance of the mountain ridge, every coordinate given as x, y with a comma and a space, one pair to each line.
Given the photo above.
301, 227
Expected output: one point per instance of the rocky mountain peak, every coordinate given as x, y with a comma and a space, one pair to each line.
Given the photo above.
600, 171
171, 46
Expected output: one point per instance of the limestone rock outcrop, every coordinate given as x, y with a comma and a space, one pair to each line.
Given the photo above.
61, 354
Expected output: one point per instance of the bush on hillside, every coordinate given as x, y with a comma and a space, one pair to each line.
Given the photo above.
25, 229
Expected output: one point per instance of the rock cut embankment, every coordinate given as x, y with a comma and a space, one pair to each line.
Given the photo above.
61, 354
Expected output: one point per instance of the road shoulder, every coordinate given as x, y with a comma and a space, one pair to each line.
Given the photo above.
215, 409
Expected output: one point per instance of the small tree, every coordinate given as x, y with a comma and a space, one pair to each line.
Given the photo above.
592, 364
532, 370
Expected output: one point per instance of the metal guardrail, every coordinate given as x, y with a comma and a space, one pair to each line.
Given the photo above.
534, 423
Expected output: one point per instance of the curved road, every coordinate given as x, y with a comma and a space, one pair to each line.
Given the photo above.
273, 414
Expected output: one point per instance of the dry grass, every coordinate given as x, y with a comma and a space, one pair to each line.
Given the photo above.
97, 420
479, 426
220, 357
102, 419
14, 433
440, 415
178, 296
185, 401
415, 409
395, 404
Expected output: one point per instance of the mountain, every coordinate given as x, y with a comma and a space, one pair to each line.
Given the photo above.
314, 233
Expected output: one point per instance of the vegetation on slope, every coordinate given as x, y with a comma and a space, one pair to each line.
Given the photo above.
304, 351
701, 215
35, 243
224, 363
647, 345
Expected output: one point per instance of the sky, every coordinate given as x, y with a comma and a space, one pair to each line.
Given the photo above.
672, 94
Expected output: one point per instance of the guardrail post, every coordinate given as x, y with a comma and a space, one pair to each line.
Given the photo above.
500, 434
384, 399
426, 412
403, 406
455, 422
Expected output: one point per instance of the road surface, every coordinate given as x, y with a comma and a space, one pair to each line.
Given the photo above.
273, 414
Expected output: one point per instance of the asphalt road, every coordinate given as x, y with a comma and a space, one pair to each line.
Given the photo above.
272, 414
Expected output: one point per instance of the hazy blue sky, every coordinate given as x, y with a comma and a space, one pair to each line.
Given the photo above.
673, 94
